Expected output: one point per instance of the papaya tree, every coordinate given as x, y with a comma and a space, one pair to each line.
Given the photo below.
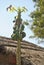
18, 30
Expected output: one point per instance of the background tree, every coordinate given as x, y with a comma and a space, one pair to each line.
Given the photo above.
38, 19
18, 30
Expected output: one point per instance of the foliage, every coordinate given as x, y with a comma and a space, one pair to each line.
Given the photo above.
18, 28
38, 19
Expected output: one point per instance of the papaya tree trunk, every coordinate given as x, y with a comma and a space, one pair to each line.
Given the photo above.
18, 53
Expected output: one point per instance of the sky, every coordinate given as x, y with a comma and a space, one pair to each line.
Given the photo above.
6, 18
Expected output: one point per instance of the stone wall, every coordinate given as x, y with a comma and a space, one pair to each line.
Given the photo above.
31, 54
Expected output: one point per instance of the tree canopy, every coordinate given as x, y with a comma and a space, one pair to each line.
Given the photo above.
38, 19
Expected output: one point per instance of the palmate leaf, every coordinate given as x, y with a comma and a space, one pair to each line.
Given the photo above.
25, 23
11, 8
21, 9
24, 9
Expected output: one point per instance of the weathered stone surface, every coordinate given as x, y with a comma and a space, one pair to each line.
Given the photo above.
31, 54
